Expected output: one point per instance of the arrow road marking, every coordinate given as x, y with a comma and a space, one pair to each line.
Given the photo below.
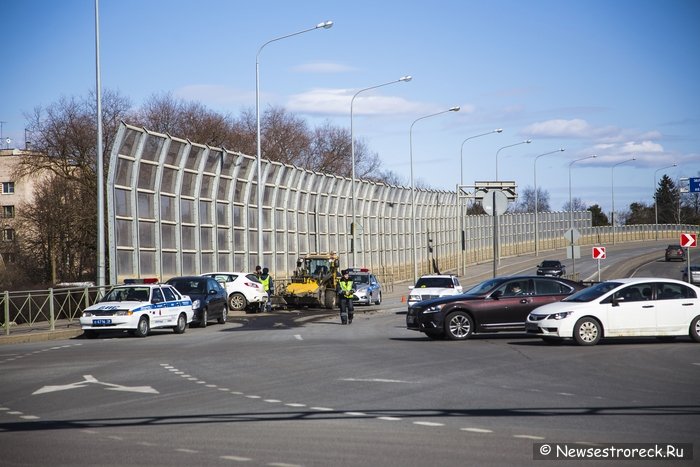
89, 379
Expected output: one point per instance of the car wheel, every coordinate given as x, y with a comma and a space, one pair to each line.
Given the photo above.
205, 318
181, 325
587, 331
437, 335
90, 334
551, 340
379, 299
224, 315
237, 302
458, 326
143, 328
330, 299
695, 329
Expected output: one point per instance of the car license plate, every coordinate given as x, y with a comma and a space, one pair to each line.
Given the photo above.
531, 327
101, 322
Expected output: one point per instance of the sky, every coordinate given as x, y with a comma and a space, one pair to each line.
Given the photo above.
618, 79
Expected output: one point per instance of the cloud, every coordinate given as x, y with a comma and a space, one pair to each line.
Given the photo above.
644, 147
323, 67
337, 102
575, 128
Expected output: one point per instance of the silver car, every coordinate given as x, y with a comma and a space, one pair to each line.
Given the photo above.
368, 291
694, 274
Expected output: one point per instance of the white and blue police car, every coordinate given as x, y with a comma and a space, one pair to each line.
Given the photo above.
138, 306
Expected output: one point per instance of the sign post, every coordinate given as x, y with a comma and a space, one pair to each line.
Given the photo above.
598, 253
573, 251
688, 241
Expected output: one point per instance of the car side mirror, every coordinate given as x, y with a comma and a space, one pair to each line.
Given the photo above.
410, 287
616, 301
496, 295
539, 265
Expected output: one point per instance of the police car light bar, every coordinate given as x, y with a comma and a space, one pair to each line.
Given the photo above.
358, 269
147, 280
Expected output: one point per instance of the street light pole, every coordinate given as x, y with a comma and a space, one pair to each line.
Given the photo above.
656, 202
461, 183
612, 194
323, 25
527, 141
352, 152
571, 212
413, 190
537, 243
99, 169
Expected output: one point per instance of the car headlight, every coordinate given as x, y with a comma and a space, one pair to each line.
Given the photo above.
87, 314
433, 309
123, 313
196, 304
560, 315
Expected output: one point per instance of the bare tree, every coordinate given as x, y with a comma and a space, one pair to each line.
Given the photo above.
577, 204
527, 201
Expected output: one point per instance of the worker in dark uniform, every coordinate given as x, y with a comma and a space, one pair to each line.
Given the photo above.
345, 292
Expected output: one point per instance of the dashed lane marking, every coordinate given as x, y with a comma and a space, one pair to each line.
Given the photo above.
476, 430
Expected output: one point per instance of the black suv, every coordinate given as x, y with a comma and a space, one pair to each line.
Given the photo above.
499, 304
675, 252
551, 268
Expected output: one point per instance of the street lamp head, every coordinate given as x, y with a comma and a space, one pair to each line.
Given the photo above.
527, 141
498, 130
406, 78
454, 109
562, 149
325, 25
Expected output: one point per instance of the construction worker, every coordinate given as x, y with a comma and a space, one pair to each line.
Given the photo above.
345, 292
266, 281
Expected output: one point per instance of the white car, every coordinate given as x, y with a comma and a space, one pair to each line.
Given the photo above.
433, 286
138, 308
242, 289
659, 307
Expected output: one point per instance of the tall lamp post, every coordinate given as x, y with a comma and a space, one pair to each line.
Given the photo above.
537, 225
612, 194
352, 152
527, 141
413, 190
656, 202
571, 210
461, 183
323, 25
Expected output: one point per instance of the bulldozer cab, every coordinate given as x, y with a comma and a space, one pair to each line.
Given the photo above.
317, 268
314, 281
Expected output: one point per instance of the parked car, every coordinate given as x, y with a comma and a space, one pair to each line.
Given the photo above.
243, 290
499, 304
675, 252
694, 274
665, 308
433, 286
208, 298
551, 268
138, 308
367, 288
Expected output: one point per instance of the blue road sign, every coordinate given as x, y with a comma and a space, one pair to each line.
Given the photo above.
694, 185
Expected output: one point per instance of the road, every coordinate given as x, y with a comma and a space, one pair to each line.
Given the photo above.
298, 389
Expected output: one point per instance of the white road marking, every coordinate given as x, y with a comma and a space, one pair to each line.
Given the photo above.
253, 397
211, 385
528, 437
292, 404
189, 451
29, 417
282, 464
476, 430
298, 337
89, 379
389, 419
15, 412
236, 458
375, 380
322, 409
224, 389
356, 414
428, 424
565, 394
273, 401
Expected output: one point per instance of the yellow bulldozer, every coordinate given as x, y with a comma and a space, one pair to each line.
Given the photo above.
314, 281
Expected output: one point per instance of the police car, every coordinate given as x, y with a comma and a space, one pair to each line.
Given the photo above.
138, 306
367, 287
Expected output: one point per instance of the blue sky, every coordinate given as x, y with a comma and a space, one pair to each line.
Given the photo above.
614, 78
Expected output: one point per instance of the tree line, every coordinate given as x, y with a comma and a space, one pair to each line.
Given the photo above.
57, 230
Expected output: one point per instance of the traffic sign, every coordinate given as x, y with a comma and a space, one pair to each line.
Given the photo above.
599, 252
694, 184
572, 235
689, 240
495, 202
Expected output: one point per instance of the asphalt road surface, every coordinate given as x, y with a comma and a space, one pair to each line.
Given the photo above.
296, 388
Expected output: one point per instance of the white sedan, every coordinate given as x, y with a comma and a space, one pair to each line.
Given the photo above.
138, 308
659, 307
242, 289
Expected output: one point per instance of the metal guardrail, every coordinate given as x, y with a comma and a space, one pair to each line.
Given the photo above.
29, 307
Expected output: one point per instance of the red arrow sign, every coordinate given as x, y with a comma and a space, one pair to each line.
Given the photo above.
689, 240
598, 252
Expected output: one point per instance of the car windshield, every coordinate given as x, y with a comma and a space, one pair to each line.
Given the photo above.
131, 294
436, 282
189, 286
593, 292
551, 264
483, 287
360, 278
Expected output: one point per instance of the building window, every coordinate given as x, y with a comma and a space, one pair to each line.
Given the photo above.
8, 212
8, 235
8, 188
